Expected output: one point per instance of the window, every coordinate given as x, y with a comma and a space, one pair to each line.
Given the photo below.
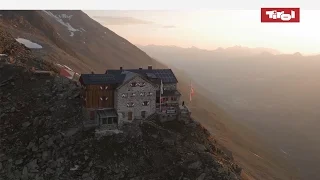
130, 104
103, 98
133, 84
142, 94
104, 120
173, 98
143, 114
103, 87
115, 120
91, 115
142, 84
109, 120
124, 95
133, 94
145, 103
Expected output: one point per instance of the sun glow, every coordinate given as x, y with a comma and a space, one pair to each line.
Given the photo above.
224, 28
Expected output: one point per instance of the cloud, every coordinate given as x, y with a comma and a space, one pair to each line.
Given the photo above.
113, 20
169, 26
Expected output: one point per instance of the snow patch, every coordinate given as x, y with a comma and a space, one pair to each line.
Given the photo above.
67, 25
256, 155
29, 44
284, 152
3, 55
68, 68
59, 65
65, 16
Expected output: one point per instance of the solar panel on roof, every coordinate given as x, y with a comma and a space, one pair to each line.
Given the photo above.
151, 75
165, 74
109, 77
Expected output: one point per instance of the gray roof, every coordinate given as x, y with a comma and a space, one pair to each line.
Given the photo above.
97, 79
128, 75
166, 75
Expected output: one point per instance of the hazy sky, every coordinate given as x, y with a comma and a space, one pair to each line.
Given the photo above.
213, 29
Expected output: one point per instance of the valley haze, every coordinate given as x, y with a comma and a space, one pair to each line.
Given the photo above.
275, 94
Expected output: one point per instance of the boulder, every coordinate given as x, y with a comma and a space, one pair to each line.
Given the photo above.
195, 165
202, 176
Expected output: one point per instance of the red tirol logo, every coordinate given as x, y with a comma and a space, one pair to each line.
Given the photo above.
280, 15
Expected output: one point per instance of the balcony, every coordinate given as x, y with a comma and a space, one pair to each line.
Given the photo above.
170, 110
168, 104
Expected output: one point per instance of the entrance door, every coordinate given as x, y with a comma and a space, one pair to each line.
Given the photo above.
143, 114
129, 115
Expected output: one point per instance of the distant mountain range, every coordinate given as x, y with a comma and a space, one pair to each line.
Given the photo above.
230, 51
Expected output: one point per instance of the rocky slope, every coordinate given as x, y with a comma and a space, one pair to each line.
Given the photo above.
41, 134
42, 138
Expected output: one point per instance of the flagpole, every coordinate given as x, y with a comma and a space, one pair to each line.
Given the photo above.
160, 94
160, 101
190, 91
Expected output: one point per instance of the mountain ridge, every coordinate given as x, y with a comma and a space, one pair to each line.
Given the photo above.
233, 49
246, 51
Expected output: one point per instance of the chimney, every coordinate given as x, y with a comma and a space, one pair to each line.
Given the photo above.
121, 68
140, 68
149, 67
